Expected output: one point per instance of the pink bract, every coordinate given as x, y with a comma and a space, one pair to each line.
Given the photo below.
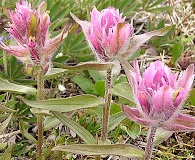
107, 33
30, 30
160, 94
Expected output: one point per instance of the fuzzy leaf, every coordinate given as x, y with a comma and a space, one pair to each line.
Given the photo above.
25, 133
50, 122
65, 104
6, 109
133, 131
15, 88
176, 51
7, 154
160, 9
4, 124
86, 66
115, 120
125, 150
84, 83
162, 135
54, 72
78, 129
123, 90
100, 87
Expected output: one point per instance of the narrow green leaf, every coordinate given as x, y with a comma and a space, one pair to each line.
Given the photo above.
160, 9
38, 111
2, 97
77, 40
79, 48
61, 14
5, 62
3, 116
57, 23
100, 87
124, 4
188, 39
135, 130
25, 133
7, 154
13, 63
176, 51
78, 129
11, 103
115, 108
115, 120
6, 109
54, 72
4, 124
161, 24
3, 75
162, 135
20, 89
61, 59
68, 42
86, 66
95, 75
121, 79
125, 150
27, 82
50, 122
123, 90
53, 10
65, 104
157, 3
84, 83
132, 130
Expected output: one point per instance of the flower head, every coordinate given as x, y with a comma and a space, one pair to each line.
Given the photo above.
30, 29
107, 33
160, 93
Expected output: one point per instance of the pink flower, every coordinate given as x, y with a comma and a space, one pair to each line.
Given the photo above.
160, 94
107, 33
30, 30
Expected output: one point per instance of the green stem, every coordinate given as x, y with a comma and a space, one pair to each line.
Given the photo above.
40, 96
106, 108
150, 143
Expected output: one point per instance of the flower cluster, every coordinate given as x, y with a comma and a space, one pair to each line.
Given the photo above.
107, 33
30, 30
160, 94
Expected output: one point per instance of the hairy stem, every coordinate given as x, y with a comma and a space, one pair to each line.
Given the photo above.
40, 135
150, 143
106, 108
40, 96
40, 85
